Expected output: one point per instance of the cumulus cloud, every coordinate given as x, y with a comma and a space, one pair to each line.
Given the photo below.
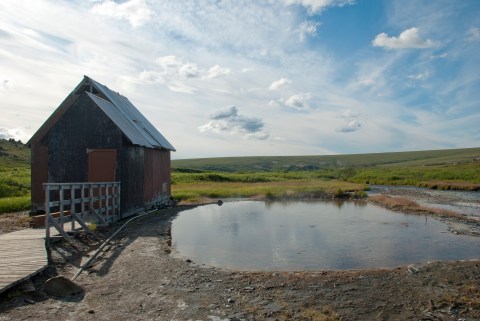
229, 120
136, 12
316, 6
217, 71
174, 72
409, 38
307, 28
298, 101
15, 133
172, 82
473, 34
282, 82
177, 73
352, 126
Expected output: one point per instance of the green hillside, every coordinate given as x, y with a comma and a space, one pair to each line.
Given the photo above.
13, 154
440, 169
14, 168
299, 163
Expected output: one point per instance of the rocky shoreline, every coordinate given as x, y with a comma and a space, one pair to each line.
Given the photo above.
135, 278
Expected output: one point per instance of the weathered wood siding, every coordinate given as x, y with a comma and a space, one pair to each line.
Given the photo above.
132, 177
39, 161
84, 126
157, 175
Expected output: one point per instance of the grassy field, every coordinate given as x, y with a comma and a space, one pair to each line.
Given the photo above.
442, 169
275, 177
197, 186
14, 176
299, 163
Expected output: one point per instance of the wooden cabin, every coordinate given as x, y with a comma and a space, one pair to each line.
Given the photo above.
98, 135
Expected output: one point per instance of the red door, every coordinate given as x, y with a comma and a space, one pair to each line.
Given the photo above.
102, 164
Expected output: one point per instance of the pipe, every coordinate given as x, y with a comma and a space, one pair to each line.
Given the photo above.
92, 258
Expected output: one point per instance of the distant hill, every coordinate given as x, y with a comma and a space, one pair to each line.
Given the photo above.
14, 169
14, 154
306, 163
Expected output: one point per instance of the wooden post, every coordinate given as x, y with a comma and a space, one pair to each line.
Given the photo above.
72, 206
119, 200
100, 199
47, 214
91, 196
82, 204
107, 198
61, 205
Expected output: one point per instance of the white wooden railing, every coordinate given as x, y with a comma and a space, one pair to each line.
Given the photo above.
81, 203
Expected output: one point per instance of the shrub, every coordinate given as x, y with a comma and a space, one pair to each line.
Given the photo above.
340, 193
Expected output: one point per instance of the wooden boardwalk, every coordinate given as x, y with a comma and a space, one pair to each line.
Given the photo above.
22, 255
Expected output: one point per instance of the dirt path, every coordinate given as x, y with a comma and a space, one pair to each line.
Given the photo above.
11, 222
136, 279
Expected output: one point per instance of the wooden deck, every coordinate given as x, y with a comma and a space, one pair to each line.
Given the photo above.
22, 254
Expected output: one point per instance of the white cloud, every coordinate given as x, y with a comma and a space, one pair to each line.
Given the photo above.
228, 120
151, 77
174, 73
217, 71
277, 84
189, 70
15, 133
135, 11
473, 34
308, 28
349, 114
352, 126
409, 38
179, 74
420, 76
174, 66
298, 101
316, 6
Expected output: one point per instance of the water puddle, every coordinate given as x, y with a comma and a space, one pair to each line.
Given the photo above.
250, 235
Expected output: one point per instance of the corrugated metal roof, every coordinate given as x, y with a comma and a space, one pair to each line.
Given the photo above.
128, 118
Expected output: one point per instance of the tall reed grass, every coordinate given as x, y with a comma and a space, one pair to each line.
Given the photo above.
14, 204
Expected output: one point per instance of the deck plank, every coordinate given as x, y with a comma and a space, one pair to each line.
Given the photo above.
22, 255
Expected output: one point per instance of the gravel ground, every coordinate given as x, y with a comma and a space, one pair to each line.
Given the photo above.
135, 278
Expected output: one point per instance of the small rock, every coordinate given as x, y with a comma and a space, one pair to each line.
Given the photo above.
60, 286
412, 270
231, 301
91, 311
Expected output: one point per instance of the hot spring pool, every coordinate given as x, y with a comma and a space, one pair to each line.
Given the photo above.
254, 235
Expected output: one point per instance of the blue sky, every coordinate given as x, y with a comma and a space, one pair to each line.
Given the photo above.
240, 78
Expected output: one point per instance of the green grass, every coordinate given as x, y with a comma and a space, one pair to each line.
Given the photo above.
442, 169
308, 163
288, 188
14, 176
14, 204
463, 176
14, 169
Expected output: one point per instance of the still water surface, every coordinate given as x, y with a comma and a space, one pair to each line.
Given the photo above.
250, 235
